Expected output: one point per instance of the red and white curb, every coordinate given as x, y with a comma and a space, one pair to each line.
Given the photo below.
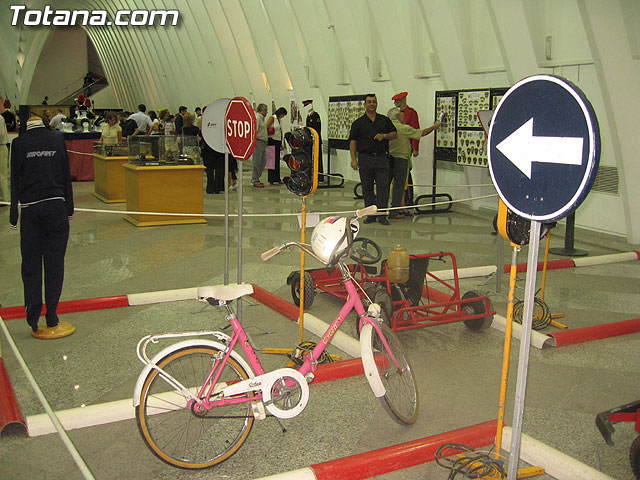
410, 454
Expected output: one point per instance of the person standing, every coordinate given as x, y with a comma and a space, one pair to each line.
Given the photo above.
56, 120
9, 117
143, 122
111, 131
313, 121
179, 121
369, 139
260, 150
411, 119
274, 130
42, 198
399, 156
5, 194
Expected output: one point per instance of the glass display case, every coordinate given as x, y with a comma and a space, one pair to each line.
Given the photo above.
113, 150
164, 150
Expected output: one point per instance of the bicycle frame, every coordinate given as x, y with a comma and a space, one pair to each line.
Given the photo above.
309, 365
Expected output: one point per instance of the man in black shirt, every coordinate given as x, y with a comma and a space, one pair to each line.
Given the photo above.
42, 198
369, 137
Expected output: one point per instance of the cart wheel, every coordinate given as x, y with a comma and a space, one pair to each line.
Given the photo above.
475, 308
309, 289
383, 299
368, 253
634, 457
399, 294
357, 191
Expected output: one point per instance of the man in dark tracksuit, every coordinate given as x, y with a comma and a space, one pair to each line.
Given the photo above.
41, 184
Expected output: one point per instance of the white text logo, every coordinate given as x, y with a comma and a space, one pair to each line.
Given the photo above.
99, 18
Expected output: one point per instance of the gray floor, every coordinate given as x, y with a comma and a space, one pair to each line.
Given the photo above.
458, 370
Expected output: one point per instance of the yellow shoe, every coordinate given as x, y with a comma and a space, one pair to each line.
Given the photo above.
63, 329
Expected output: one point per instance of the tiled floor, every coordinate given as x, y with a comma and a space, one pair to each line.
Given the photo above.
458, 370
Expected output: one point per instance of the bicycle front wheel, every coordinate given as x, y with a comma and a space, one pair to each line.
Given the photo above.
182, 436
400, 398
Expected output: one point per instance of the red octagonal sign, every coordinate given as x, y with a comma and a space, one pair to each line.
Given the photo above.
240, 128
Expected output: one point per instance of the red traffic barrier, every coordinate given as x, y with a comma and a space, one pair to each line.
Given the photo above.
388, 459
9, 409
595, 332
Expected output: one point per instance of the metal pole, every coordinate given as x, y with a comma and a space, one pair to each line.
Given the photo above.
525, 345
86, 473
302, 291
240, 164
226, 217
507, 347
499, 264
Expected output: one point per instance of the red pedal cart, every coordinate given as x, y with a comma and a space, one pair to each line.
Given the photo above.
624, 413
407, 305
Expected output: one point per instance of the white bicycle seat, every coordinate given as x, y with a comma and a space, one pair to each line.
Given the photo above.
224, 292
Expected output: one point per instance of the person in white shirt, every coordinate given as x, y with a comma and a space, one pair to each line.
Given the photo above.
56, 122
260, 150
142, 120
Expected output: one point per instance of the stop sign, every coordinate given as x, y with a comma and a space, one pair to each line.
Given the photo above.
240, 128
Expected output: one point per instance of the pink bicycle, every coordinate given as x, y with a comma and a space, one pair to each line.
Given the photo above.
196, 400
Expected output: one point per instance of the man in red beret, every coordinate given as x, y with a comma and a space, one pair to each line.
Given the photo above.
411, 119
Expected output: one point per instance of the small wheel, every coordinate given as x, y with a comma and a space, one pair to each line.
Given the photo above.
357, 191
400, 399
309, 289
382, 298
634, 457
365, 251
399, 294
183, 436
474, 308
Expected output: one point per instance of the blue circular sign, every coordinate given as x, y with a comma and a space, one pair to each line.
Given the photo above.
544, 147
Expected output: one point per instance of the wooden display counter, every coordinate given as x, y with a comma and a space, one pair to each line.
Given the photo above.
109, 178
166, 188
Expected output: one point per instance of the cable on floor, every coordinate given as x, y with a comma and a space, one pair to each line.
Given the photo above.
463, 462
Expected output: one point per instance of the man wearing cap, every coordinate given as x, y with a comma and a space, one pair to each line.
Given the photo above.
313, 121
411, 119
369, 138
42, 197
400, 153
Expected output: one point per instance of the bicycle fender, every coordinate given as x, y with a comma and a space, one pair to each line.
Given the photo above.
179, 346
368, 363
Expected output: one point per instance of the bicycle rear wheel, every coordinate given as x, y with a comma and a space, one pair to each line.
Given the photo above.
400, 398
179, 435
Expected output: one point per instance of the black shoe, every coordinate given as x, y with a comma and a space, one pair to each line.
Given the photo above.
369, 219
384, 221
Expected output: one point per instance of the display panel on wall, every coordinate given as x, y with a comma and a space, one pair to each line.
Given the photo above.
342, 111
460, 139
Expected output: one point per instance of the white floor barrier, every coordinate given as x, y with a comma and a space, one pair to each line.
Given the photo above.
554, 462
538, 339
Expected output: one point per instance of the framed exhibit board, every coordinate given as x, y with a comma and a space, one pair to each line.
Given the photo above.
460, 138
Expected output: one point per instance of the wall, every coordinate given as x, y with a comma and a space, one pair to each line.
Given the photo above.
271, 50
63, 62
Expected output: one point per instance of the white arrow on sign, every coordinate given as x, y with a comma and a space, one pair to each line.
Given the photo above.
522, 149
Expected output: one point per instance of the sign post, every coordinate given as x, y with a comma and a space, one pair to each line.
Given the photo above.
240, 133
544, 150
213, 132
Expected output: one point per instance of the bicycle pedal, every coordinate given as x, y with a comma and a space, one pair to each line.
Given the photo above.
258, 410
